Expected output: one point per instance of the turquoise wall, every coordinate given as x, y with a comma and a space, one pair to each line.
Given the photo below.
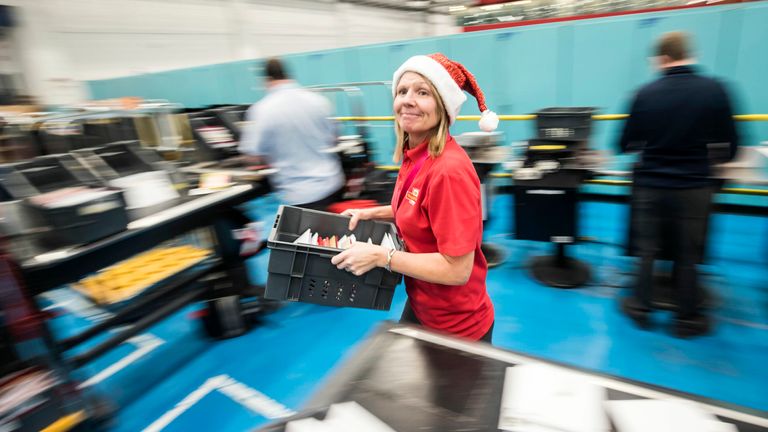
595, 62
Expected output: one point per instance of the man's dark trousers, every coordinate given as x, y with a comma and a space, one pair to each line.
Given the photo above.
688, 209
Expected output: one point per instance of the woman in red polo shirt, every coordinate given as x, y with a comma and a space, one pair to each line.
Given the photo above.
435, 205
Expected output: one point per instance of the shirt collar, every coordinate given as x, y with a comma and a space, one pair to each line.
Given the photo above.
679, 70
284, 86
414, 154
417, 153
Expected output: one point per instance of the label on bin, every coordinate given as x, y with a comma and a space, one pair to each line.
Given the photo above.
545, 192
558, 132
561, 239
98, 208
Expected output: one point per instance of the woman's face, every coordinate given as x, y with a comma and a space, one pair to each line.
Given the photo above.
415, 107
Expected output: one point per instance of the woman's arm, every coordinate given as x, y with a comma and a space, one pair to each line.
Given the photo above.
433, 267
429, 267
381, 212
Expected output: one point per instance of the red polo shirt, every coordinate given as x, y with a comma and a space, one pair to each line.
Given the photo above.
441, 212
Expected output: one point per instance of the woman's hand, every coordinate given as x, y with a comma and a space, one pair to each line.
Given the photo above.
361, 258
357, 215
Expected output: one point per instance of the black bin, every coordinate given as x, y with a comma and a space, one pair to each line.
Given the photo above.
547, 209
304, 273
84, 222
564, 123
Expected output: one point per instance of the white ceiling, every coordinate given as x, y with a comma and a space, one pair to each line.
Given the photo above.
432, 6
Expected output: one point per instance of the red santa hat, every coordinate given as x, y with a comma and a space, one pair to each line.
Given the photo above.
451, 79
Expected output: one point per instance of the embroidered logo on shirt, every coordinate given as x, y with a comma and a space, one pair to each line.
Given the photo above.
412, 196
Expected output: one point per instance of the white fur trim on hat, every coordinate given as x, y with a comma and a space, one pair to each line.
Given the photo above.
453, 96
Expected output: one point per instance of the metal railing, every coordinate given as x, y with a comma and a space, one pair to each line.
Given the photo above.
520, 117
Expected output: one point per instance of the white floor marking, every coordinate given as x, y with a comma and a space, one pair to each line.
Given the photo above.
208, 386
251, 399
145, 343
254, 400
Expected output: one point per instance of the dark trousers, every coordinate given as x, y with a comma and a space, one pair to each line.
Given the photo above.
688, 210
323, 204
408, 317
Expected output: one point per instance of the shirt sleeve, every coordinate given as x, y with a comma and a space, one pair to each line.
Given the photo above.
328, 126
723, 122
455, 211
254, 140
631, 137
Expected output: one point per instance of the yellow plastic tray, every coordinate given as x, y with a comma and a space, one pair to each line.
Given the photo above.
134, 275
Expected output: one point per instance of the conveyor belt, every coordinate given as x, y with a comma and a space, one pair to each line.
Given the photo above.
414, 380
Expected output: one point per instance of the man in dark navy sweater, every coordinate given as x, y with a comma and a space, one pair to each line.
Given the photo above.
681, 123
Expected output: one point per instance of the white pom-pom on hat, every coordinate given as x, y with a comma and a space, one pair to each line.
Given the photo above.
451, 79
489, 121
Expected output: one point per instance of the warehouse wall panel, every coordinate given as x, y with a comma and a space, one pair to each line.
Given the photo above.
595, 62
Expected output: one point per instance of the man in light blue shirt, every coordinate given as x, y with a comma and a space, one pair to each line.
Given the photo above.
291, 129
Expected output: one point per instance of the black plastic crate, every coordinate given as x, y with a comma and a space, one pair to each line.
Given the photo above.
304, 273
43, 174
82, 223
564, 123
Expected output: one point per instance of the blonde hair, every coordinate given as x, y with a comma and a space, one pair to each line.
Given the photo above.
439, 133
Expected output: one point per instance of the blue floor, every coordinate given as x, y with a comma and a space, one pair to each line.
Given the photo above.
189, 383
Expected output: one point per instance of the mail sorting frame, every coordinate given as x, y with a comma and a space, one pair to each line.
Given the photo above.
214, 117
152, 226
23, 330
